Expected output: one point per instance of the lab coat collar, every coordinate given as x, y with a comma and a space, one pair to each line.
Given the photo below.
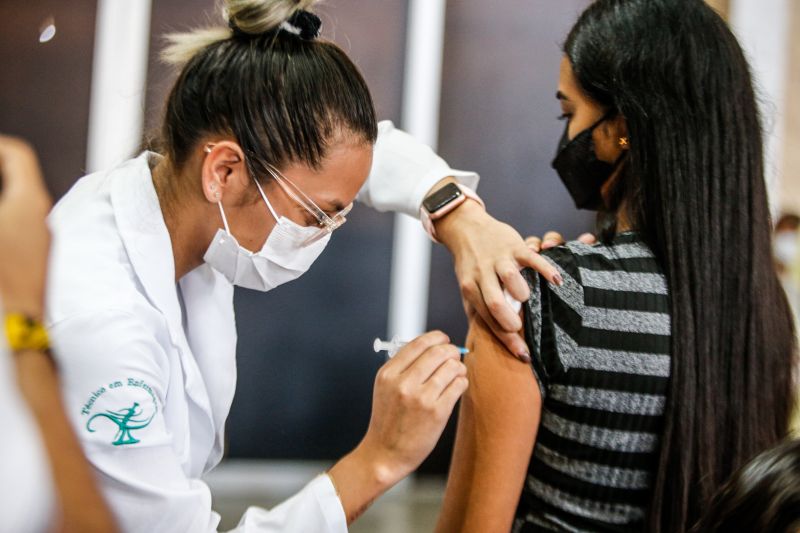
147, 242
206, 335
211, 332
144, 233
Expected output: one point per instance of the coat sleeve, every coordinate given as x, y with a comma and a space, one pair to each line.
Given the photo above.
403, 171
115, 375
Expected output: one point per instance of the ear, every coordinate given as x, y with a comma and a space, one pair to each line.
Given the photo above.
224, 172
618, 132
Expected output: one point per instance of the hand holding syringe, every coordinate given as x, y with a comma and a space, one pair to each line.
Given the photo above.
393, 346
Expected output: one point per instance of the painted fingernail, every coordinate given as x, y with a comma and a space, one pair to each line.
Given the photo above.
524, 357
558, 280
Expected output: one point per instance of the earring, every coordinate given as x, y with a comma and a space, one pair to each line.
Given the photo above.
207, 148
217, 195
623, 142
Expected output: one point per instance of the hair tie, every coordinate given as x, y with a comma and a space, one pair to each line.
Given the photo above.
237, 32
304, 24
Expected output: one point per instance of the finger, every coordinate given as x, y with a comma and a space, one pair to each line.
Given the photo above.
421, 370
513, 282
587, 238
441, 379
470, 294
411, 351
551, 243
514, 342
19, 167
534, 243
451, 394
481, 311
495, 302
552, 238
469, 309
527, 258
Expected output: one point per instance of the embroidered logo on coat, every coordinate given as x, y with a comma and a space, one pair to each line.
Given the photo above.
104, 413
127, 420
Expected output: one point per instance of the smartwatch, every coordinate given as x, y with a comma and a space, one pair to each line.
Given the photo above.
442, 201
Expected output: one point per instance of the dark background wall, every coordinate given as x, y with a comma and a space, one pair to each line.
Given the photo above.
44, 88
306, 366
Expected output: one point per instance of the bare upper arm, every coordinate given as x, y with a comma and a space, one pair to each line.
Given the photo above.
497, 427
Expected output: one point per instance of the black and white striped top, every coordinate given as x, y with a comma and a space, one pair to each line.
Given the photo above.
600, 346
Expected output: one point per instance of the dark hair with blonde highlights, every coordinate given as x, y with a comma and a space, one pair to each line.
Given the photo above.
282, 97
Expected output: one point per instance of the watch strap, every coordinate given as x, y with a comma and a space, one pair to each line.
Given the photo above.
427, 222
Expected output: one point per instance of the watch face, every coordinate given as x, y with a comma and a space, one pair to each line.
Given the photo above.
441, 198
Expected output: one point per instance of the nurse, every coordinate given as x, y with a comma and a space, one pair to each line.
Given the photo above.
269, 135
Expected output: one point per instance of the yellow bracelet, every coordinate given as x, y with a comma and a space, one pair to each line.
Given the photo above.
25, 333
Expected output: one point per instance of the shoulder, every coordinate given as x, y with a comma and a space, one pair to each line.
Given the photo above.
89, 267
588, 265
88, 199
114, 369
626, 264
626, 252
498, 381
553, 315
567, 260
110, 342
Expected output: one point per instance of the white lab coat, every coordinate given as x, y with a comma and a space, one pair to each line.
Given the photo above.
148, 368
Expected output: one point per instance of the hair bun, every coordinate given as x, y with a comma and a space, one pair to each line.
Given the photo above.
246, 18
306, 24
254, 17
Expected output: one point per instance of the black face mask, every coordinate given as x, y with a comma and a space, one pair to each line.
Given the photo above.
578, 167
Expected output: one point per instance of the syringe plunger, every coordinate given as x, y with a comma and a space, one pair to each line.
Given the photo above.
391, 347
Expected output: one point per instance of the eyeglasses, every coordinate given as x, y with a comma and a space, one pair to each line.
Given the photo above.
325, 222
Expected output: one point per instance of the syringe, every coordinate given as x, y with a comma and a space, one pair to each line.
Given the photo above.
393, 346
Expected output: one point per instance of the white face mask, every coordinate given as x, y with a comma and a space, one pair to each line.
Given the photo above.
786, 247
283, 257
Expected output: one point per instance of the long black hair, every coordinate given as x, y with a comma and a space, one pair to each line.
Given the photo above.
764, 495
692, 184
